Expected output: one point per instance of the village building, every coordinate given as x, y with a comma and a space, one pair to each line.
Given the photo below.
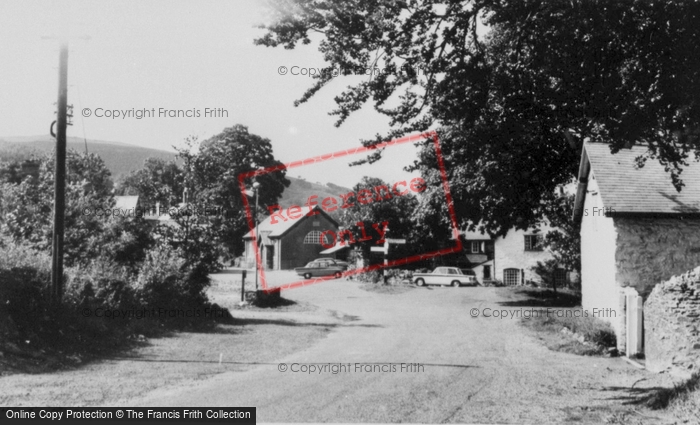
291, 243
637, 231
510, 258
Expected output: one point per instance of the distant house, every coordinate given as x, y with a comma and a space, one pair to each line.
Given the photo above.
479, 251
509, 258
291, 243
636, 231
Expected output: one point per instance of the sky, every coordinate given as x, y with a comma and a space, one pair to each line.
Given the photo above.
177, 55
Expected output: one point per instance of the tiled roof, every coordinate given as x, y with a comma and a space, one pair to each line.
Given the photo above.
281, 227
627, 189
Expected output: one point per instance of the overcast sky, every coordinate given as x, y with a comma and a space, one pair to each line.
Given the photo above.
186, 55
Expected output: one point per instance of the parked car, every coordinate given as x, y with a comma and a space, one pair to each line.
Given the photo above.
470, 272
446, 276
333, 261
319, 268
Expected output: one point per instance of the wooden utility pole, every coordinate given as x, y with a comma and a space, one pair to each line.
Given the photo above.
59, 204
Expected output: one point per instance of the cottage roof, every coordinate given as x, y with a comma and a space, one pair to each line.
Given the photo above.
280, 227
626, 189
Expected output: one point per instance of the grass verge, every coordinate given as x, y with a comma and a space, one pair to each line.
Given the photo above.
568, 330
682, 401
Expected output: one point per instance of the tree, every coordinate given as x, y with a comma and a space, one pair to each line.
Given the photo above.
211, 176
158, 181
564, 242
26, 206
514, 105
383, 215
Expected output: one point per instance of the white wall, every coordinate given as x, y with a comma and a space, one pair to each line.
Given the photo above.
510, 254
599, 289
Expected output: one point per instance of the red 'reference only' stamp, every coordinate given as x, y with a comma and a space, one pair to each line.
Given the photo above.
314, 205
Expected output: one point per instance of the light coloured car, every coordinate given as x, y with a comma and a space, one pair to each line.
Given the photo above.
444, 276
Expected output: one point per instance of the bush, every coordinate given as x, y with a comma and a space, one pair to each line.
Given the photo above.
393, 276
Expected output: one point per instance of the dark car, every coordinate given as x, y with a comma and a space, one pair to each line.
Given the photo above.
319, 268
335, 262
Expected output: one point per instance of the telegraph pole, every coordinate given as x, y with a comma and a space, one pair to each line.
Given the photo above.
60, 178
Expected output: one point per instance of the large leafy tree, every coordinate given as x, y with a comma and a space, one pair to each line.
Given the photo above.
514, 87
211, 177
26, 208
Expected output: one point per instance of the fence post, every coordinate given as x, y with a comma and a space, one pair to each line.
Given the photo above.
634, 325
243, 286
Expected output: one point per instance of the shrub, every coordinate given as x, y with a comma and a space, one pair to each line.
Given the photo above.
165, 282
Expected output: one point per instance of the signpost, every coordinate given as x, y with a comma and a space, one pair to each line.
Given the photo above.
385, 249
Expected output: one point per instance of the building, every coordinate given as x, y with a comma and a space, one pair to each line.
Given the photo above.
636, 231
479, 252
509, 258
291, 243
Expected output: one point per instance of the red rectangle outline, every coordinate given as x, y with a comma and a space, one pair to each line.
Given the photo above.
406, 139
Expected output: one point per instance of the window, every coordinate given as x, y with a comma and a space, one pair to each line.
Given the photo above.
451, 271
533, 242
313, 238
476, 247
560, 277
511, 276
487, 272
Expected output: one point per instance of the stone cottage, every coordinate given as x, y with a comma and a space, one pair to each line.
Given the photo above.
636, 231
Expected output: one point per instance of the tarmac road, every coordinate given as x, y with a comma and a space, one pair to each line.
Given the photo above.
472, 369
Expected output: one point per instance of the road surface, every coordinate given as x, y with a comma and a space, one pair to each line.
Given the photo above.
472, 369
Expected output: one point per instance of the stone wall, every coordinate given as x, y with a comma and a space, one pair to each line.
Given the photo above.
651, 250
672, 325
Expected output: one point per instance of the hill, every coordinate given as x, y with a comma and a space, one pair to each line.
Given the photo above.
120, 158
299, 191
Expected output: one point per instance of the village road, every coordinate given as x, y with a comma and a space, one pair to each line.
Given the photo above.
482, 369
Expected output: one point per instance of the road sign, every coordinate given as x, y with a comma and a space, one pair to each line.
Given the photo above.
396, 240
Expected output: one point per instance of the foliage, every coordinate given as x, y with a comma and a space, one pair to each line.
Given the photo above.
211, 176
597, 334
546, 271
515, 105
159, 180
26, 208
393, 214
564, 242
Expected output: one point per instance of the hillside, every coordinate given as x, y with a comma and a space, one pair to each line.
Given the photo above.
299, 191
120, 158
